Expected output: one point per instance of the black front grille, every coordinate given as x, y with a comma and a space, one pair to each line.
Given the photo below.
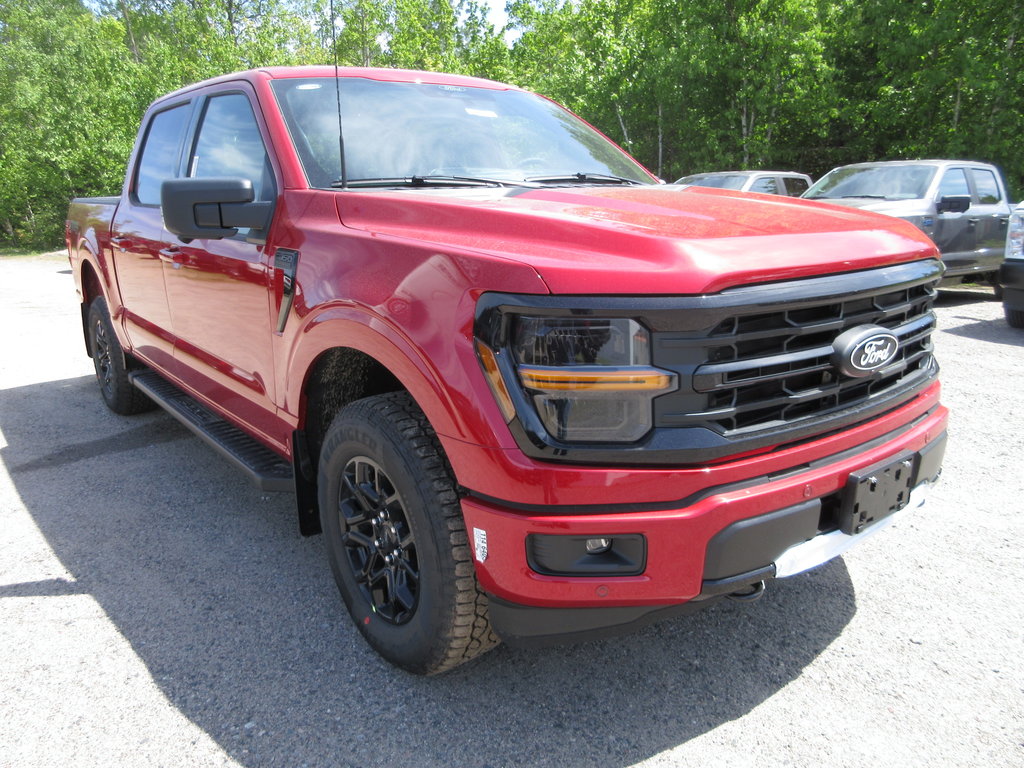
757, 369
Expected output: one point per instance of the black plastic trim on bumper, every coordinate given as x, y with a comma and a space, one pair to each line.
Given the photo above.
755, 542
1011, 278
527, 626
1011, 274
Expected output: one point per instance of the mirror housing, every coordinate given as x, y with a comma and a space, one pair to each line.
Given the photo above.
211, 208
953, 204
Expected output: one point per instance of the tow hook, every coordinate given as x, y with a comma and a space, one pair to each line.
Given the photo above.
754, 592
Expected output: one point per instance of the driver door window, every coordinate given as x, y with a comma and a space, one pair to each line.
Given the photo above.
229, 144
954, 183
765, 185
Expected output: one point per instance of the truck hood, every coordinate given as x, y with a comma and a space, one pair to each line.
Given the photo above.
665, 240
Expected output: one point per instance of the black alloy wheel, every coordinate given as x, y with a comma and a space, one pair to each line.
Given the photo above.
378, 541
102, 358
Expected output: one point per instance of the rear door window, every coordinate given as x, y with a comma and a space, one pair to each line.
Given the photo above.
988, 187
795, 186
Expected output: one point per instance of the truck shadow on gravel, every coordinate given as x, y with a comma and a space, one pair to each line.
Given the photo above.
996, 331
239, 623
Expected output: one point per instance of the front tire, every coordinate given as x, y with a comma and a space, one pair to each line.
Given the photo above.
396, 540
1014, 317
111, 365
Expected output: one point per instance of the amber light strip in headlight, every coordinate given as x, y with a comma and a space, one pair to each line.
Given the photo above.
595, 379
490, 363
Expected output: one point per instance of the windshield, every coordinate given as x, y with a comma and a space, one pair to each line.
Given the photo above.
395, 131
718, 180
884, 182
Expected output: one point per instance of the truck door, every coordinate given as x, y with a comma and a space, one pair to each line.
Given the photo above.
138, 236
955, 234
219, 289
991, 216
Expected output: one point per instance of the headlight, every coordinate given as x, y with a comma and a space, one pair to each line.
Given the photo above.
1015, 237
587, 379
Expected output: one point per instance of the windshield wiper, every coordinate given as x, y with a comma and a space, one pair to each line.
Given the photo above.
433, 180
584, 178
866, 197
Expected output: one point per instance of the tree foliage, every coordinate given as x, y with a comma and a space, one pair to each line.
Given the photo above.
685, 85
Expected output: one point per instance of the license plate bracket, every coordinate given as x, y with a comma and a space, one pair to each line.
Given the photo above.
875, 492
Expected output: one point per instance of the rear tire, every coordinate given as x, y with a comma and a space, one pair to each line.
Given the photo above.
111, 365
1015, 317
396, 540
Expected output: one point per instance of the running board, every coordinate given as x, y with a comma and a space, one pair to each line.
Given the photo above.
265, 469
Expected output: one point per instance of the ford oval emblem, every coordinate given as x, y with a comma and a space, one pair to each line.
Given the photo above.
864, 350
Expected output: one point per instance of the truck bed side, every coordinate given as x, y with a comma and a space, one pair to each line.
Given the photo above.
87, 235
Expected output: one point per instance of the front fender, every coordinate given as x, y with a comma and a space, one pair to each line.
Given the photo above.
439, 370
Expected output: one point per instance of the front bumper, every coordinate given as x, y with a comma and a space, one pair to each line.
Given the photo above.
1011, 277
700, 550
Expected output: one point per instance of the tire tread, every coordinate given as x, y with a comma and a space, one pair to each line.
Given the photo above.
468, 633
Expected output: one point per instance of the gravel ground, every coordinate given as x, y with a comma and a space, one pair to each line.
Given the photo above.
155, 610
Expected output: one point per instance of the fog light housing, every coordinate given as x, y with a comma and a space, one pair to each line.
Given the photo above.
618, 555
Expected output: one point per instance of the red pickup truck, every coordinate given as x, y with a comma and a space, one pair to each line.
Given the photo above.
524, 390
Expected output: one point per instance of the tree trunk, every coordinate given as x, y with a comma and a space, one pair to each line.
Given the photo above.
622, 125
131, 35
661, 143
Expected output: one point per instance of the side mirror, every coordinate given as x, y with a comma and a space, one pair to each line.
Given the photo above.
953, 204
211, 208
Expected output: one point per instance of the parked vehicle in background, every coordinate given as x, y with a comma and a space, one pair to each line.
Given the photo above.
960, 204
523, 390
787, 183
1011, 274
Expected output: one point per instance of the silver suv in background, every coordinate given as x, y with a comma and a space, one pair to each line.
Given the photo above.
960, 204
787, 183
1011, 274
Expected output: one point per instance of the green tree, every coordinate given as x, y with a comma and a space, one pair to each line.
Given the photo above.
67, 113
931, 79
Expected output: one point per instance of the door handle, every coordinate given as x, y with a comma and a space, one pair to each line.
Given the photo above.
121, 242
172, 255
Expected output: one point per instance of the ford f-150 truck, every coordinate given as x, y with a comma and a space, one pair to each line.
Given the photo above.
524, 391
